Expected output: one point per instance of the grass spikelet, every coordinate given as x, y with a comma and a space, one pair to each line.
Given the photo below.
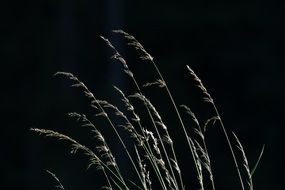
193, 116
75, 146
158, 83
134, 43
59, 184
245, 162
210, 120
144, 172
200, 85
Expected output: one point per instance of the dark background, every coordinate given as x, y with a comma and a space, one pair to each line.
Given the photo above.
235, 47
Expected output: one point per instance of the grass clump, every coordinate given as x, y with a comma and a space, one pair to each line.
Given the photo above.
153, 156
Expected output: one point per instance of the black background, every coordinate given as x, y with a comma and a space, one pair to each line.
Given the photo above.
235, 47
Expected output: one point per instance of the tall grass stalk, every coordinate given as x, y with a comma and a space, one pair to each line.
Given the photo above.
153, 157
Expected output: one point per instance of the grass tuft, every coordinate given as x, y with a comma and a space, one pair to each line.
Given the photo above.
153, 155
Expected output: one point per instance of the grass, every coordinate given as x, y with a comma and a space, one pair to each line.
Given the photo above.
153, 157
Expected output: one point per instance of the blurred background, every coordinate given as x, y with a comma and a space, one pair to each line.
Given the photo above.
237, 48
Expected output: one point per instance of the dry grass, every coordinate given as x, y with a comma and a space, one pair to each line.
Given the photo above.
153, 157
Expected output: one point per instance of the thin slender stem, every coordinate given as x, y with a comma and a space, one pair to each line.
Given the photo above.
211, 177
128, 72
207, 153
179, 117
146, 147
140, 92
122, 142
230, 145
